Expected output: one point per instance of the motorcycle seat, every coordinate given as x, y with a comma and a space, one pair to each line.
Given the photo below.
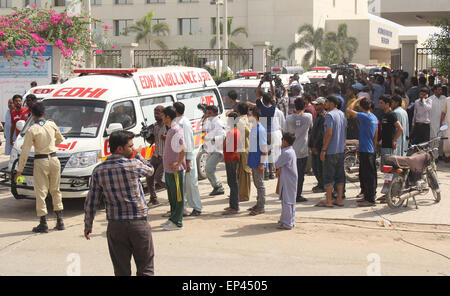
351, 142
416, 162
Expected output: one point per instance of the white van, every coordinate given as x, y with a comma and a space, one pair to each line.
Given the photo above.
86, 108
247, 85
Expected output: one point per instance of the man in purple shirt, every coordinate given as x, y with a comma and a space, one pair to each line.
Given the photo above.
174, 164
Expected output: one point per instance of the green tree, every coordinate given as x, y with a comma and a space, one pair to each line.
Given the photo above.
311, 40
149, 32
440, 43
231, 34
275, 53
346, 45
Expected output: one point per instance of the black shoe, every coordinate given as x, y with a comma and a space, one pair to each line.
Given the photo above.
59, 221
266, 178
217, 191
42, 227
301, 199
271, 177
153, 202
318, 189
195, 213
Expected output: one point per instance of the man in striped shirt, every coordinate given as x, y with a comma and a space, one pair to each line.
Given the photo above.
117, 182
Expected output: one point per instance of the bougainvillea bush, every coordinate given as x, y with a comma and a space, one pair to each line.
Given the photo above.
26, 32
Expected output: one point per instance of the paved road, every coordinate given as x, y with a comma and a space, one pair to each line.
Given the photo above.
338, 241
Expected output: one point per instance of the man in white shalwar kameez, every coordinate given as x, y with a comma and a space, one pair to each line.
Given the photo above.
438, 103
190, 186
445, 120
402, 117
286, 166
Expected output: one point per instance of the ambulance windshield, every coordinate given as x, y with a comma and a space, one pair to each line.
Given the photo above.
75, 118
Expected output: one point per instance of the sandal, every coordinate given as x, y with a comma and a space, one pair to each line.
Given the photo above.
366, 204
284, 227
323, 205
257, 212
337, 204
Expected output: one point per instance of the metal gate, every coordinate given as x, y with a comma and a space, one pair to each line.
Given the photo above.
425, 59
237, 59
108, 59
396, 59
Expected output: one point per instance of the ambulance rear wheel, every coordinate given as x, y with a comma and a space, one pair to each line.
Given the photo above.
201, 164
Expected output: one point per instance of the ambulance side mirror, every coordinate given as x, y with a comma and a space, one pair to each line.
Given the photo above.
20, 125
113, 127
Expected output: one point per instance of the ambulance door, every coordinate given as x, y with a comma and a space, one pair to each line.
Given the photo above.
123, 112
147, 105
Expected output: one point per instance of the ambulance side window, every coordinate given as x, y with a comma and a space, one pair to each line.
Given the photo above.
148, 106
123, 113
192, 99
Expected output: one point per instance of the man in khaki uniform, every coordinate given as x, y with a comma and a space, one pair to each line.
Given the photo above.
244, 171
44, 135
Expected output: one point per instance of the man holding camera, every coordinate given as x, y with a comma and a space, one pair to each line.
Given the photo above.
215, 133
158, 136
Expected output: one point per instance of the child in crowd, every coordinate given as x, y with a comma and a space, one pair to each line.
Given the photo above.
286, 166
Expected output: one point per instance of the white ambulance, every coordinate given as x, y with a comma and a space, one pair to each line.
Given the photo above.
41, 91
87, 108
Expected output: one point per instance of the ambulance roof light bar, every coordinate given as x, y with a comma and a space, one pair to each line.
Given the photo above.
250, 74
321, 68
126, 71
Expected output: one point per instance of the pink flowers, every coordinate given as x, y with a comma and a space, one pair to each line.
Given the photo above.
98, 51
59, 43
26, 63
71, 40
19, 52
55, 19
2, 33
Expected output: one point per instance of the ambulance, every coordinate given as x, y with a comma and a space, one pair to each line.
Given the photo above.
89, 107
319, 74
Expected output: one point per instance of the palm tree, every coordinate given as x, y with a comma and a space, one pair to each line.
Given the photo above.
311, 40
275, 53
346, 45
231, 33
144, 29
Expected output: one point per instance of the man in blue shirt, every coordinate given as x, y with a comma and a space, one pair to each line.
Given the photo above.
335, 91
368, 134
257, 157
333, 152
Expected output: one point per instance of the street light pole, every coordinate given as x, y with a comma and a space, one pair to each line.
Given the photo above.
225, 35
218, 37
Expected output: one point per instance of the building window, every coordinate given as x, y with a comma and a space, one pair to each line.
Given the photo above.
5, 3
155, 1
188, 26
123, 2
157, 21
187, 1
96, 2
60, 3
35, 2
120, 25
213, 24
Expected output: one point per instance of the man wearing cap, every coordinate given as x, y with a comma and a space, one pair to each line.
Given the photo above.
45, 136
54, 79
296, 89
316, 143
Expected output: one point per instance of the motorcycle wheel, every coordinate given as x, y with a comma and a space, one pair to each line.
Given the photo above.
351, 160
434, 184
395, 191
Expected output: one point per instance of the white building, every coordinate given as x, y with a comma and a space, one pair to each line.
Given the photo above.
192, 22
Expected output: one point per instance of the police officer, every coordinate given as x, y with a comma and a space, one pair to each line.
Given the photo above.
44, 135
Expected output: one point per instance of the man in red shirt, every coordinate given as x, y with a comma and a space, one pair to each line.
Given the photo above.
18, 113
231, 158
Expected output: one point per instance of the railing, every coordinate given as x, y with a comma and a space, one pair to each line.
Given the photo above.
425, 59
237, 59
108, 59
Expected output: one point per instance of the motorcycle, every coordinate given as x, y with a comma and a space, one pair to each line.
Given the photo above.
351, 161
409, 176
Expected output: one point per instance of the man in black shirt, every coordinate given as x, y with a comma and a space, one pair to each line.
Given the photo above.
316, 143
391, 129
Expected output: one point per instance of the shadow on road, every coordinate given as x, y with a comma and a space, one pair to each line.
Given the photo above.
249, 230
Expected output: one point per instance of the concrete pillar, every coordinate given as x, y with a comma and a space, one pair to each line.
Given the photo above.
127, 55
260, 62
57, 61
408, 45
